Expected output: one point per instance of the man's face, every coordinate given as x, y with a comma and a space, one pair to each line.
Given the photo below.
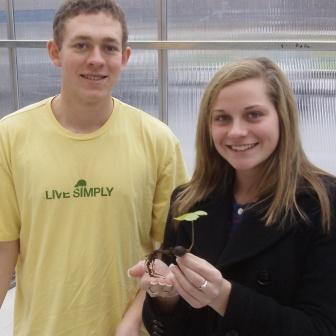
91, 56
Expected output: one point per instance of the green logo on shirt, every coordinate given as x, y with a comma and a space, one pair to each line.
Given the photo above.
80, 190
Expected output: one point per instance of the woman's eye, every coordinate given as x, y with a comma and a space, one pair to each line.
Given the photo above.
254, 115
222, 118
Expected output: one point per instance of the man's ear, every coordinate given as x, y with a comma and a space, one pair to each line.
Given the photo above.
54, 53
126, 55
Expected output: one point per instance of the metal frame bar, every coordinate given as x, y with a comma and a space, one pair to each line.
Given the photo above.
307, 45
162, 45
162, 62
12, 54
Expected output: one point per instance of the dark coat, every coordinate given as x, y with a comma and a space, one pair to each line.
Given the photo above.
283, 280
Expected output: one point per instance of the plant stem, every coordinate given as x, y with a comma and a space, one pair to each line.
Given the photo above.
192, 236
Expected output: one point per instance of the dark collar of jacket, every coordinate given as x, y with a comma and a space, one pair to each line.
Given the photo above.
251, 237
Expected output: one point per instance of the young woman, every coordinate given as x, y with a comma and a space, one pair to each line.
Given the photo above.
262, 261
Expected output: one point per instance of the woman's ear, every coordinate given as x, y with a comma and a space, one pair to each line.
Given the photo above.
54, 53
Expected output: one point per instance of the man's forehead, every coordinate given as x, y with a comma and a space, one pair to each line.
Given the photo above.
92, 26
92, 19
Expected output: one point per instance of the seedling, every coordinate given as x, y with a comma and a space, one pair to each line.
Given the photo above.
177, 251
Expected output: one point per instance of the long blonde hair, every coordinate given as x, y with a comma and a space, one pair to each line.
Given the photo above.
283, 172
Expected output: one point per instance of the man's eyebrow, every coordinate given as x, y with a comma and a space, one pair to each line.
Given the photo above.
111, 40
81, 37
87, 38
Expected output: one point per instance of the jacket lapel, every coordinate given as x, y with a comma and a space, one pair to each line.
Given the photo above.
250, 238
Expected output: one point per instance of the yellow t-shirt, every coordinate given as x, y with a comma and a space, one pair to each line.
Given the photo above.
85, 208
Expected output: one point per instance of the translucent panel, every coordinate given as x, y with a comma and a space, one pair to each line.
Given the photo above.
138, 84
6, 99
3, 20
38, 78
268, 19
34, 18
141, 16
312, 75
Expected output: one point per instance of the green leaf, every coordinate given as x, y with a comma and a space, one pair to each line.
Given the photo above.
191, 216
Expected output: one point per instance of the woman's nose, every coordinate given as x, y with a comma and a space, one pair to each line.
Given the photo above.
238, 128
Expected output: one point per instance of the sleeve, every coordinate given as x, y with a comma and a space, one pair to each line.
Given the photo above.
313, 310
172, 174
9, 213
176, 322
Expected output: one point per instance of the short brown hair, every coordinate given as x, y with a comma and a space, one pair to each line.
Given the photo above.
73, 8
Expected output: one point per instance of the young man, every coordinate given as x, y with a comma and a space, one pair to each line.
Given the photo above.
85, 186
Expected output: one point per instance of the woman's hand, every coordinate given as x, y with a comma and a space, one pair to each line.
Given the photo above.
200, 283
160, 286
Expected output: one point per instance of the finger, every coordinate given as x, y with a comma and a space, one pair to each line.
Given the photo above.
187, 290
166, 290
153, 289
170, 278
146, 281
195, 263
200, 266
194, 278
137, 271
158, 268
191, 285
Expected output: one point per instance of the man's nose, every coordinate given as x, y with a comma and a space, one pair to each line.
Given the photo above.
96, 57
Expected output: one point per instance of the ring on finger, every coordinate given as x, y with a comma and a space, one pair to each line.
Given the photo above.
150, 291
203, 285
167, 289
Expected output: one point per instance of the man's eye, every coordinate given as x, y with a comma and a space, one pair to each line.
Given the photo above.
111, 48
80, 46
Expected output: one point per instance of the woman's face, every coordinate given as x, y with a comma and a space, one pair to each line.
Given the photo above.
245, 125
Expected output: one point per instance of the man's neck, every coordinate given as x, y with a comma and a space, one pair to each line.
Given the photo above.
81, 117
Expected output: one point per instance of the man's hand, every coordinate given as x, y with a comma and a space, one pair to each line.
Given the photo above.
132, 319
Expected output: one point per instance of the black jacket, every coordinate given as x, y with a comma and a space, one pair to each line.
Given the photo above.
283, 280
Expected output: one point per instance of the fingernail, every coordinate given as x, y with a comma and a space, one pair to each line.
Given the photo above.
128, 273
171, 266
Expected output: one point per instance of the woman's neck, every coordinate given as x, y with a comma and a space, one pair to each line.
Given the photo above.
245, 189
